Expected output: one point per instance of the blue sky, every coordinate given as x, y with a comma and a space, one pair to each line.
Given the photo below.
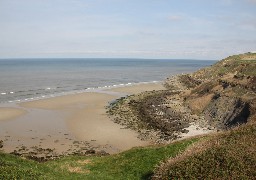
194, 29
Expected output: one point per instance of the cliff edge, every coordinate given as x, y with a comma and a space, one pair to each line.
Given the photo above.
225, 93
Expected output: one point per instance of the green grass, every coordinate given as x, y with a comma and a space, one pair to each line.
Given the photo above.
137, 163
231, 64
12, 167
231, 156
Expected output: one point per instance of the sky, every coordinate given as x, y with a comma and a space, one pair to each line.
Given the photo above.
169, 29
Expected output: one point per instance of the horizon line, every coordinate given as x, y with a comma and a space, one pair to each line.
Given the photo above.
122, 58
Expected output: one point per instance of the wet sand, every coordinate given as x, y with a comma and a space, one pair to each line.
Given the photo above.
70, 122
11, 113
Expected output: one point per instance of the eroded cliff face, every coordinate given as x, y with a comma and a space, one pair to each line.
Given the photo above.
225, 93
226, 112
215, 98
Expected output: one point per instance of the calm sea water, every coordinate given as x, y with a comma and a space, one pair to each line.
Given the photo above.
27, 79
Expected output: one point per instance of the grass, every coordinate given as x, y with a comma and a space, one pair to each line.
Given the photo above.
137, 163
231, 155
12, 167
244, 64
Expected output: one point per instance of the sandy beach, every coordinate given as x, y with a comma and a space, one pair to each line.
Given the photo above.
11, 113
67, 123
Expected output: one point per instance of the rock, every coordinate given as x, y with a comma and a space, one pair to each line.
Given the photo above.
102, 153
236, 114
184, 131
210, 128
91, 151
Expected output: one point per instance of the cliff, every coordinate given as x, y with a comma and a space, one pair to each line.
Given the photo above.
216, 98
225, 93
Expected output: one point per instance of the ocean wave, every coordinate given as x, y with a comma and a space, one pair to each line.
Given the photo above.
40, 93
6, 93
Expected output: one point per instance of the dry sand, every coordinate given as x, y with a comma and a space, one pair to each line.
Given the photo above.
195, 130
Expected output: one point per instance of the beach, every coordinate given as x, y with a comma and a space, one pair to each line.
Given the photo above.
70, 123
59, 106
10, 113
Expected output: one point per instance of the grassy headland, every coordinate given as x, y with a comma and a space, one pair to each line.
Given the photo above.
225, 94
227, 155
220, 97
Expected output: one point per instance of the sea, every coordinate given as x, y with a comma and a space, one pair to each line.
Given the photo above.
30, 79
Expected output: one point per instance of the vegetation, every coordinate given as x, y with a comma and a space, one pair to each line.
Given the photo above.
243, 64
230, 155
13, 167
225, 94
137, 163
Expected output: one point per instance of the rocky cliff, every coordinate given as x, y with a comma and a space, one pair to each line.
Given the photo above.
225, 93
214, 98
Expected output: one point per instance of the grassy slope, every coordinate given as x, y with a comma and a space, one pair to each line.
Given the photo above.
241, 64
230, 155
137, 163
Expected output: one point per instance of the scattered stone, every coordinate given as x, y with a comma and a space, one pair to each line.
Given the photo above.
184, 131
102, 153
158, 116
91, 151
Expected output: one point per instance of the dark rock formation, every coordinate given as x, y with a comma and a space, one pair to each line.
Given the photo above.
226, 112
221, 96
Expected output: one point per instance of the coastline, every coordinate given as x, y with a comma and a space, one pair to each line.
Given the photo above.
72, 92
208, 111
82, 123
159, 116
77, 123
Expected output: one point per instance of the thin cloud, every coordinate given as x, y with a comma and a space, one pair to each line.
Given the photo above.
117, 28
175, 18
252, 1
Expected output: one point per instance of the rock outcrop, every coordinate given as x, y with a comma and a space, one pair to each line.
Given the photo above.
231, 86
219, 97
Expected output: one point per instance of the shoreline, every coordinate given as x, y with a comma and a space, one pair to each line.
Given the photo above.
159, 116
71, 121
72, 92
79, 123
